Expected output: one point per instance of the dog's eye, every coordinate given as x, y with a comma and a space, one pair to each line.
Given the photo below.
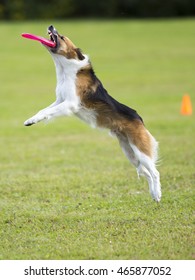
62, 37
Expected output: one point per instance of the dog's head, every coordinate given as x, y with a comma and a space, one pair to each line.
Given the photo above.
63, 45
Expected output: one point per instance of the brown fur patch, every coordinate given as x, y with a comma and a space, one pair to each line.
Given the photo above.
67, 48
85, 83
140, 137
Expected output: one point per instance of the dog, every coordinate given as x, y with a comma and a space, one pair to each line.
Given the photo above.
81, 93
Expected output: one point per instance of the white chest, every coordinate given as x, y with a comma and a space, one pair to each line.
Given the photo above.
66, 89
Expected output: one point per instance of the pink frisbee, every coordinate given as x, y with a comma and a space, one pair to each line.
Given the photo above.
44, 41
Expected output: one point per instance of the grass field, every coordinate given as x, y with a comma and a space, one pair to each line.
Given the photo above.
66, 190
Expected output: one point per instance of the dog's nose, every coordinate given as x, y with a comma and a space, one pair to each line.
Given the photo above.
52, 29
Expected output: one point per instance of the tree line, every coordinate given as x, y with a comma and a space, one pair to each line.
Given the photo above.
62, 9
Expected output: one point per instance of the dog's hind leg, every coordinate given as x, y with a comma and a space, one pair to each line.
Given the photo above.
132, 157
148, 169
144, 164
126, 148
142, 171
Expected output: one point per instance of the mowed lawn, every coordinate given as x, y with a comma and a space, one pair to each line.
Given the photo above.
66, 190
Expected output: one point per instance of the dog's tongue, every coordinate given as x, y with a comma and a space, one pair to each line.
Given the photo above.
44, 41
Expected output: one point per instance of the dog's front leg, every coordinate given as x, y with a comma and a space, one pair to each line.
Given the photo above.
62, 109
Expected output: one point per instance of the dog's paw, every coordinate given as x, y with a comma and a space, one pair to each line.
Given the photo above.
35, 119
30, 122
157, 196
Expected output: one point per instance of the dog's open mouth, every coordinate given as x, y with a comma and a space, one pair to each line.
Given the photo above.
53, 35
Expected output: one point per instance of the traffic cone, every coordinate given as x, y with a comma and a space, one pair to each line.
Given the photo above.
186, 106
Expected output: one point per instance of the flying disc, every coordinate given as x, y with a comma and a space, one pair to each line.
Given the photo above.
44, 41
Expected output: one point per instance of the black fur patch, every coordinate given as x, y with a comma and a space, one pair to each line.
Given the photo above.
79, 54
101, 95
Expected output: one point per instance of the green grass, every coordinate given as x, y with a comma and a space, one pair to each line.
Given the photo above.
67, 191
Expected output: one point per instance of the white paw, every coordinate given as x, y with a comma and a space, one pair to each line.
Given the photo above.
35, 119
30, 122
157, 196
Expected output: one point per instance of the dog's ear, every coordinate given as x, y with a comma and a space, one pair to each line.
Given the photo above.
79, 54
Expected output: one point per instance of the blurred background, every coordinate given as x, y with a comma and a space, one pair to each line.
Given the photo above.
61, 9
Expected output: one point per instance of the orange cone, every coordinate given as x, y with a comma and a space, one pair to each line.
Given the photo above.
186, 106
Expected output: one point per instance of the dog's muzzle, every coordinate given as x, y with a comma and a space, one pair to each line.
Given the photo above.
53, 34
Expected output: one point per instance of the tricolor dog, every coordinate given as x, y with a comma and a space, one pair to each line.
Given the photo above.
81, 93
